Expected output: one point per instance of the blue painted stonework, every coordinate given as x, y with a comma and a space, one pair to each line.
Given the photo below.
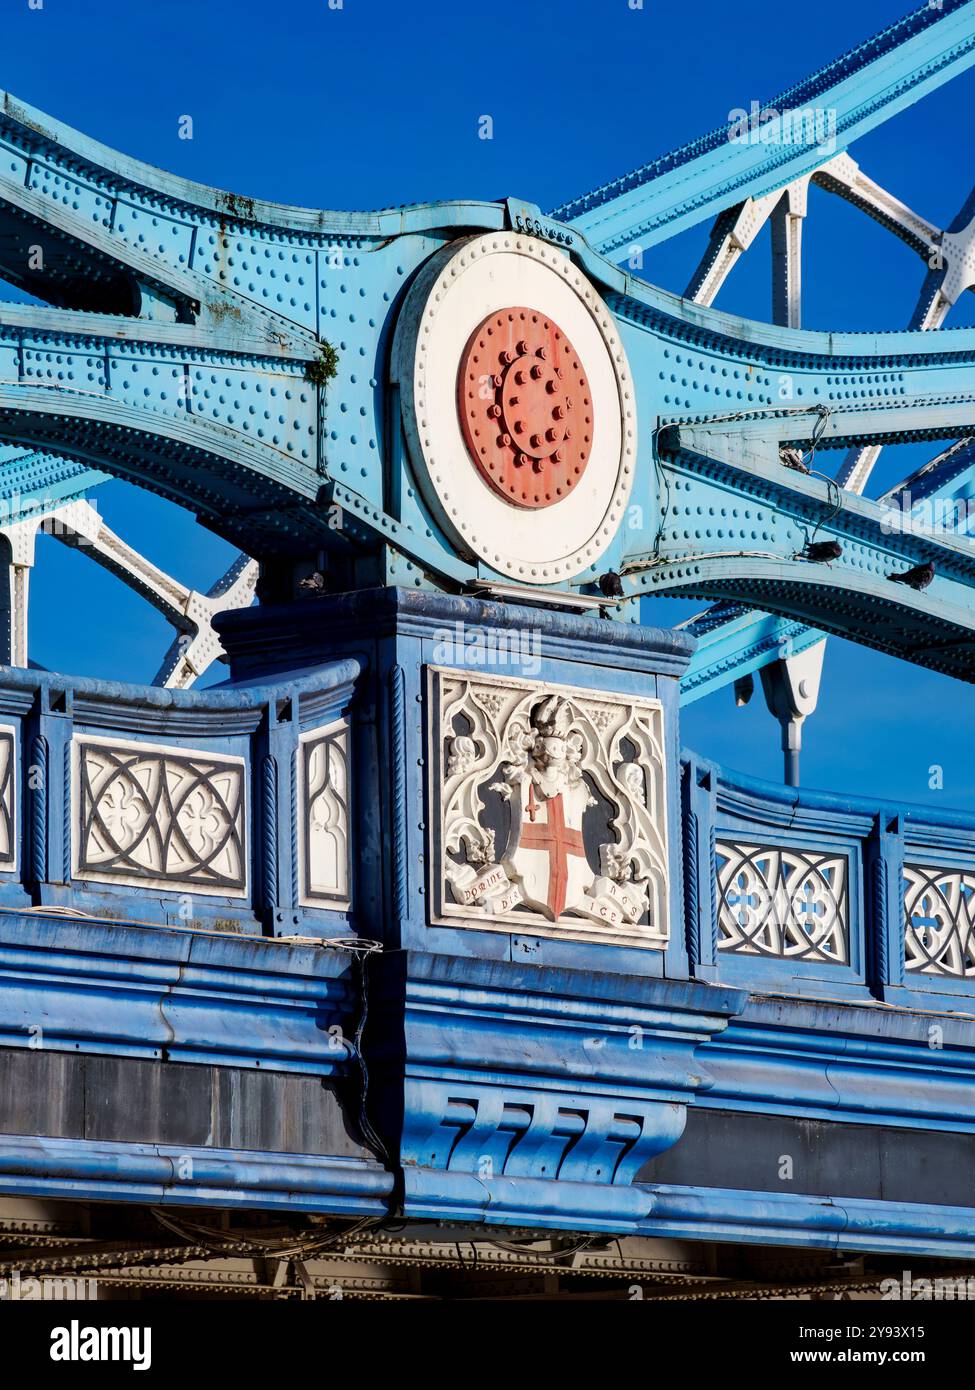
502, 1078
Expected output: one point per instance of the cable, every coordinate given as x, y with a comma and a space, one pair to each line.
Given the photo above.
369, 1134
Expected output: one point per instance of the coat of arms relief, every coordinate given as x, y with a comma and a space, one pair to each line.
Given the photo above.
551, 809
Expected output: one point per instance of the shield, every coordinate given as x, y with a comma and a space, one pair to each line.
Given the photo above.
546, 854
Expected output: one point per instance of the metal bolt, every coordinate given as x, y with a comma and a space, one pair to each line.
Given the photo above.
543, 353
535, 441
536, 373
550, 435
551, 387
521, 347
558, 412
519, 427
494, 411
520, 378
557, 456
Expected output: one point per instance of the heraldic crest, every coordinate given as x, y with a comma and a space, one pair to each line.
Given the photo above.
552, 813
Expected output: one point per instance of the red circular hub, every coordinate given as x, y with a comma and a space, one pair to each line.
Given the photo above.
525, 407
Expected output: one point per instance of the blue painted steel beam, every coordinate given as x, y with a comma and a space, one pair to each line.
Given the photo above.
204, 398
735, 641
862, 89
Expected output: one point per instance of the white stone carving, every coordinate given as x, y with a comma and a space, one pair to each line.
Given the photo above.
784, 902
157, 816
323, 823
8, 797
939, 913
550, 810
462, 285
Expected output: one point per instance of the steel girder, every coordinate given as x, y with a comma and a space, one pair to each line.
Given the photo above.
862, 89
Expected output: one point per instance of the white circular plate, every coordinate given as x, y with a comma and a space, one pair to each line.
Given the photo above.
460, 287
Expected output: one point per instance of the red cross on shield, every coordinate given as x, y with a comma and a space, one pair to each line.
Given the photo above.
549, 856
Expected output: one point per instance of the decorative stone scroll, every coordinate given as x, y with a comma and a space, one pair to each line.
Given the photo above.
154, 816
323, 831
550, 810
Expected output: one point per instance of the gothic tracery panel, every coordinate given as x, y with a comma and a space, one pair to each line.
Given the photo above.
939, 912
323, 759
8, 797
550, 809
156, 816
784, 902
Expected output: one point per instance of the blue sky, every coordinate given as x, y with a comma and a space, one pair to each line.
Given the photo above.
378, 103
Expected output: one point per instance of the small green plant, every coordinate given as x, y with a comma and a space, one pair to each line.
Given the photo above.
324, 367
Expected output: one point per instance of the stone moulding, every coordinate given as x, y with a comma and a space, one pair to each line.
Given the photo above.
518, 1095
180, 994
188, 1177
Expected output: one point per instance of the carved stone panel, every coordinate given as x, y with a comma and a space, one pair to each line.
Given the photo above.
151, 815
939, 921
549, 809
323, 822
784, 902
8, 798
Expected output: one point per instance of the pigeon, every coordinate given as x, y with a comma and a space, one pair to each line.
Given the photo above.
313, 585
610, 585
821, 552
918, 577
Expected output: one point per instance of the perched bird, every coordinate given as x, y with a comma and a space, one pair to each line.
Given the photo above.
821, 552
313, 585
610, 584
918, 577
